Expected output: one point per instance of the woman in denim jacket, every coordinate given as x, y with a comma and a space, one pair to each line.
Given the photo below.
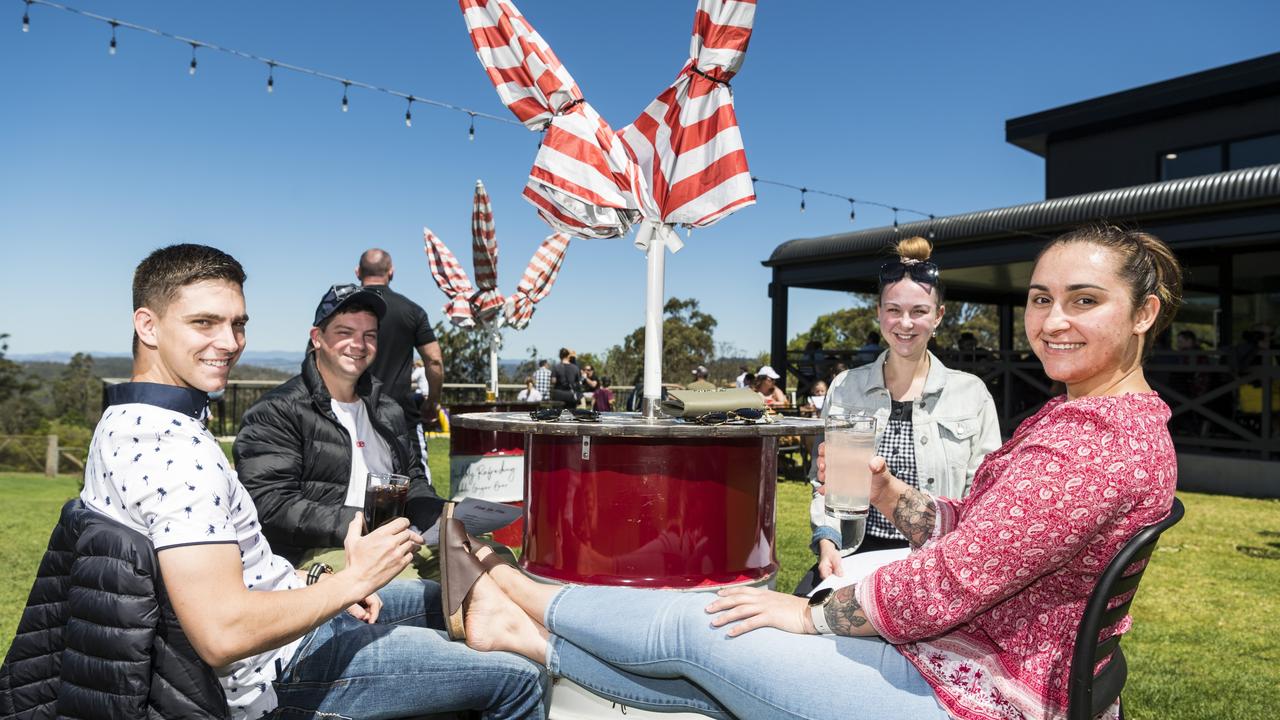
934, 424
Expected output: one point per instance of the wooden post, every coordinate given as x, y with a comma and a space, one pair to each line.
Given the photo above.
778, 327
51, 457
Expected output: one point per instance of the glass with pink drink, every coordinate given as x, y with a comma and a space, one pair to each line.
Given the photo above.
850, 443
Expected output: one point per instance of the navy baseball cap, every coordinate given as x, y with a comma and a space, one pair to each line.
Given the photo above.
340, 296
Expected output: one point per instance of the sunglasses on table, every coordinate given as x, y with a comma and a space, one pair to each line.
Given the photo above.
554, 414
922, 272
747, 416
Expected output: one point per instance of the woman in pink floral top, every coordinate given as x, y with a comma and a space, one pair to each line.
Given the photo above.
982, 614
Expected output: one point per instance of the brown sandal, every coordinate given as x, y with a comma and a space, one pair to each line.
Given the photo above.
488, 557
459, 571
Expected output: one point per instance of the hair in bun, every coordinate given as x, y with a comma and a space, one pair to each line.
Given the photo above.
914, 248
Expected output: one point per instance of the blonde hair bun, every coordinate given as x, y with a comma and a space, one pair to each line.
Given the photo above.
914, 248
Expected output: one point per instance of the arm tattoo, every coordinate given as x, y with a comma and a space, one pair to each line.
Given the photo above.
844, 614
914, 516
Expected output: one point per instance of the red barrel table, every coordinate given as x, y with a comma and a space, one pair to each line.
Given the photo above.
468, 446
662, 504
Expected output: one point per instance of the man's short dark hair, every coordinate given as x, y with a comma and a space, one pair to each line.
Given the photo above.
565, 352
542, 363
161, 275
375, 262
354, 306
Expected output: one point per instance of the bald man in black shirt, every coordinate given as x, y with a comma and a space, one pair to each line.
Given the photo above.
404, 329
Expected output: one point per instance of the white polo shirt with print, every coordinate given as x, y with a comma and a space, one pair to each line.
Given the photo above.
154, 467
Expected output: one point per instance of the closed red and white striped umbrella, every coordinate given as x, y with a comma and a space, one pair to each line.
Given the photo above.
487, 301
451, 279
680, 162
686, 142
537, 281
583, 181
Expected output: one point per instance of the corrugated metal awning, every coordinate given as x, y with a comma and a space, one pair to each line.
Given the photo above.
1248, 187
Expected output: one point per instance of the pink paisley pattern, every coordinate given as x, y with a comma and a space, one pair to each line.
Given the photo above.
988, 608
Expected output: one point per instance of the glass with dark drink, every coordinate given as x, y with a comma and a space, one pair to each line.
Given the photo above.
384, 498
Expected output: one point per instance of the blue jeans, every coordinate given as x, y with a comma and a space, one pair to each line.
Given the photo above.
658, 651
403, 666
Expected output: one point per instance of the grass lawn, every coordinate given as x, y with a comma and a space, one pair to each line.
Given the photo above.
1206, 636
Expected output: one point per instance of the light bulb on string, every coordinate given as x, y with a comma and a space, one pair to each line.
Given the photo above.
345, 85
471, 131
802, 192
408, 114
852, 215
192, 69
26, 18
111, 48
895, 219
930, 233
271, 78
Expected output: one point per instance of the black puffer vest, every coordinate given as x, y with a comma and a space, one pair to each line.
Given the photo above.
98, 638
294, 458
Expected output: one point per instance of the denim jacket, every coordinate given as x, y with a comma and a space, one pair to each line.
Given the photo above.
954, 425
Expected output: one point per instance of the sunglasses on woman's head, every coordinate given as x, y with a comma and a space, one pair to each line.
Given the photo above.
922, 272
749, 416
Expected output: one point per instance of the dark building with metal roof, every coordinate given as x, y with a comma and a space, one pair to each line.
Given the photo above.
1195, 160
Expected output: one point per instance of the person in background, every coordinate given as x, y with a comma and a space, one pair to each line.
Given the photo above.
530, 393
812, 362
744, 378
766, 384
404, 330
603, 399
813, 403
418, 381
542, 379
700, 381
833, 371
566, 380
870, 350
935, 424
589, 384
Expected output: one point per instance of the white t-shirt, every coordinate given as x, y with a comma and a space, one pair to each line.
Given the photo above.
529, 395
419, 380
369, 452
155, 468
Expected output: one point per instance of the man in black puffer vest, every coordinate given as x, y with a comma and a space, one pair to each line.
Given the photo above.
305, 448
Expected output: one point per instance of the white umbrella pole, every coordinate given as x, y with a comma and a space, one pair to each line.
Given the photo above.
493, 364
654, 297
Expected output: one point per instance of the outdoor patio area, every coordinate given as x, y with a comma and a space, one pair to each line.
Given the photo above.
1206, 618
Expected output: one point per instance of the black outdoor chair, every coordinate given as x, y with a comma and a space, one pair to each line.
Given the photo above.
1089, 694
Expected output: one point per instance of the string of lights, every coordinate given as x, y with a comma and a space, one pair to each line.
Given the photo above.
852, 202
272, 65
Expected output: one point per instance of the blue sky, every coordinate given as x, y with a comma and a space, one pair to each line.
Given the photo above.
104, 158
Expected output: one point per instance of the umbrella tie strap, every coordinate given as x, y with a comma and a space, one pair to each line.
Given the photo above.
564, 109
694, 69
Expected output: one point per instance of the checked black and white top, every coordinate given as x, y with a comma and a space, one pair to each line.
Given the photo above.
897, 446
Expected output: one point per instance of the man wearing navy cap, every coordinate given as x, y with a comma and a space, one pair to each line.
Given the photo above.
274, 637
305, 448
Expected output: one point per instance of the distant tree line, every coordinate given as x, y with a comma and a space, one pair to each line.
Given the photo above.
689, 341
65, 399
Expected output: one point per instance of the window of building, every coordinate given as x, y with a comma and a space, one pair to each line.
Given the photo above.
1253, 152
1191, 162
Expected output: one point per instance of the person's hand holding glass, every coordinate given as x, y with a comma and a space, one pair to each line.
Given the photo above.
844, 468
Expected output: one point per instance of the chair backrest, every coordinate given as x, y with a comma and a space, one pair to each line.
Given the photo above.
1089, 694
